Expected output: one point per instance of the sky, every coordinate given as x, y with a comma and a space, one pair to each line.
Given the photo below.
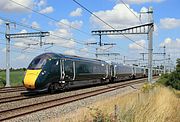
70, 29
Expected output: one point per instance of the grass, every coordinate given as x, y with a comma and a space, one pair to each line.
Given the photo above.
16, 77
151, 104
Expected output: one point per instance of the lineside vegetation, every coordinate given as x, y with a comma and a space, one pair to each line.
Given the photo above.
154, 103
172, 79
16, 77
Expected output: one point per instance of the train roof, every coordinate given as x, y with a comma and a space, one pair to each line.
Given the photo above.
58, 55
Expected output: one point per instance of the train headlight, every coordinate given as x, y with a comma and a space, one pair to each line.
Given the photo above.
43, 72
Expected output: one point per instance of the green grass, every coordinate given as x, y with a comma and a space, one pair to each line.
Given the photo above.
16, 77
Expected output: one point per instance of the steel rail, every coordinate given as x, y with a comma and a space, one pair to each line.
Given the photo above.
12, 90
27, 109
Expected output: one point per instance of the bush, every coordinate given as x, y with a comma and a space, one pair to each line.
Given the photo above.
2, 82
172, 79
163, 79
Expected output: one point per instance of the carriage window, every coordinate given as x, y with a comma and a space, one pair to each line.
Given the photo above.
54, 67
83, 67
68, 66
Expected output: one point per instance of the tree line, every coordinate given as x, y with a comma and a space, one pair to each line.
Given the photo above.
172, 79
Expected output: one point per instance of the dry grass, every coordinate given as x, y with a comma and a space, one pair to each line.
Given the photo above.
159, 104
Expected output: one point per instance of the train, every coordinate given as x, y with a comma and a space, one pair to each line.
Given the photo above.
53, 72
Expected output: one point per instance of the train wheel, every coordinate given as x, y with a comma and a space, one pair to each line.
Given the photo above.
112, 79
53, 88
103, 81
133, 77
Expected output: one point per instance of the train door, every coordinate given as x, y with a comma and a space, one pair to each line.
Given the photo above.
133, 72
107, 71
112, 70
62, 72
147, 71
69, 69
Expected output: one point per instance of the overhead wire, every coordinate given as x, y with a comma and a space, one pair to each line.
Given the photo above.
106, 23
41, 30
55, 45
131, 11
66, 24
51, 19
27, 26
36, 29
28, 8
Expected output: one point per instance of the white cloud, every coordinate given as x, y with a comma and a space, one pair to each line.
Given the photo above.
138, 45
9, 6
84, 50
21, 57
104, 48
41, 3
118, 17
1, 22
35, 24
70, 52
155, 28
75, 24
65, 40
26, 20
171, 44
77, 12
23, 31
64, 37
64, 33
144, 9
47, 10
172, 47
3, 50
169, 23
140, 1
20, 44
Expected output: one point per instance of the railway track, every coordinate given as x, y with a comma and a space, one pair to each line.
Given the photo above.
12, 89
17, 98
31, 108
22, 96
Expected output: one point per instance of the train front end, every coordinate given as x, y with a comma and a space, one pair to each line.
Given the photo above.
35, 74
30, 78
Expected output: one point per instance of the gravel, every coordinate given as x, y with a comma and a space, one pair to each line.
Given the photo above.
56, 112
10, 94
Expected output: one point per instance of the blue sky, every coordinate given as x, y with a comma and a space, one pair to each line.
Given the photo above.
66, 12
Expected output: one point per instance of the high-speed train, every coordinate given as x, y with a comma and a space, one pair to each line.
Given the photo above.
52, 72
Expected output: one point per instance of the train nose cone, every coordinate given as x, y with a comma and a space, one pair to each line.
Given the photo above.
30, 78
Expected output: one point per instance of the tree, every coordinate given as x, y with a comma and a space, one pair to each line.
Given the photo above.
172, 79
178, 65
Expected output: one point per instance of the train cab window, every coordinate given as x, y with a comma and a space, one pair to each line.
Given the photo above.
38, 63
